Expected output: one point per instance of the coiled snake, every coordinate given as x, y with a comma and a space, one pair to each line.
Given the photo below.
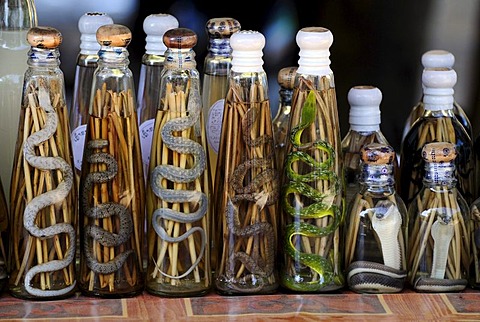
52, 197
181, 175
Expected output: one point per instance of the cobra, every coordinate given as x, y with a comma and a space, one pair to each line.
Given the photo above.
52, 197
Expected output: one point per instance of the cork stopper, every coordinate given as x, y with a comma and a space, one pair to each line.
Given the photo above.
377, 154
438, 152
222, 27
438, 58
155, 26
314, 44
247, 51
114, 35
286, 77
364, 112
438, 86
180, 38
88, 25
44, 37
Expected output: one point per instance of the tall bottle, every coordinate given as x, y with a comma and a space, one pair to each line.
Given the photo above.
216, 67
87, 62
375, 226
179, 185
364, 120
43, 208
155, 26
246, 181
17, 17
112, 188
437, 124
439, 226
313, 198
438, 58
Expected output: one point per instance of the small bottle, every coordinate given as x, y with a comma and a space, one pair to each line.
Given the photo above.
178, 191
375, 226
43, 208
313, 196
364, 120
112, 188
3, 239
216, 67
438, 59
437, 124
247, 183
439, 226
155, 26
87, 61
286, 79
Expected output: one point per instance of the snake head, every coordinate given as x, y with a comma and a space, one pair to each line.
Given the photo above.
309, 110
383, 209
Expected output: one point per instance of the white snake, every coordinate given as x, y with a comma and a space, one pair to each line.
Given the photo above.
52, 197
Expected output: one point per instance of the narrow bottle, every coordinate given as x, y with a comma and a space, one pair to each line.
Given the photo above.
364, 120
43, 208
285, 79
216, 67
439, 226
178, 191
87, 62
437, 124
3, 239
247, 183
438, 58
375, 226
112, 188
154, 26
313, 197
16, 18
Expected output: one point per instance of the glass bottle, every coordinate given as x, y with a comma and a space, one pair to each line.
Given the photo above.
375, 227
3, 238
155, 26
178, 191
474, 269
313, 197
438, 58
285, 79
246, 182
364, 120
216, 67
439, 226
437, 124
43, 208
87, 62
112, 190
17, 17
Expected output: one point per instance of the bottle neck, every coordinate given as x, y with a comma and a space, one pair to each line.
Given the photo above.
440, 174
377, 178
219, 47
285, 96
180, 58
18, 15
39, 57
117, 56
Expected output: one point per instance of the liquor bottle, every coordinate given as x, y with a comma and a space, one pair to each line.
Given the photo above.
154, 26
439, 226
112, 188
437, 124
178, 191
313, 197
17, 17
43, 208
375, 226
246, 183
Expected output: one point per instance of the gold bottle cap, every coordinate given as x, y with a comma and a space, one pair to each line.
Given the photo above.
222, 27
180, 38
114, 35
437, 152
44, 37
286, 77
376, 153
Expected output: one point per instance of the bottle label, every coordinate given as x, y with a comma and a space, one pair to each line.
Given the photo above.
146, 136
78, 142
214, 124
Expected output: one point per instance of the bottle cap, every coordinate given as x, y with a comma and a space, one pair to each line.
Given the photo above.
364, 113
155, 26
44, 37
114, 35
247, 51
222, 27
286, 77
438, 90
437, 152
88, 25
438, 58
180, 38
314, 43
377, 153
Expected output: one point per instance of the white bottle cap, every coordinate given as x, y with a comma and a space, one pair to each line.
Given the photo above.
155, 26
247, 46
314, 43
438, 58
364, 108
88, 25
438, 88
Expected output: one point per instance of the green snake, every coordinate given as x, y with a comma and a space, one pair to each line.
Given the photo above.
322, 206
